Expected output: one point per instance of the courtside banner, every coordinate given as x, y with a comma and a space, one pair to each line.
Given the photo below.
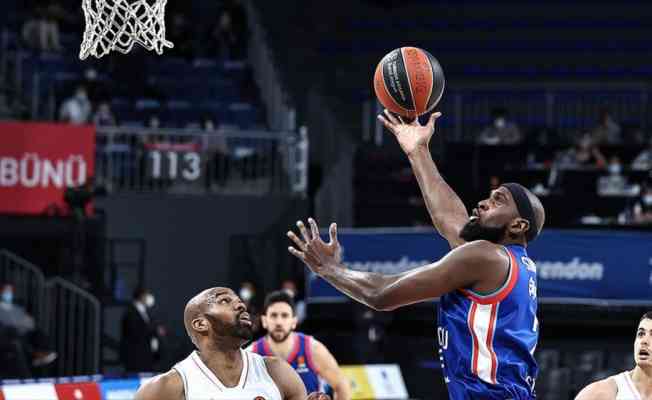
39, 161
573, 266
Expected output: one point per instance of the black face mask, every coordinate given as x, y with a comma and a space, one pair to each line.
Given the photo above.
473, 230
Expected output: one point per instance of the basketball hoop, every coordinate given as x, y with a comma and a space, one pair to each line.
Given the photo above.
118, 24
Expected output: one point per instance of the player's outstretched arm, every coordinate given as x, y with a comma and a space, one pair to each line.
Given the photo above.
605, 389
446, 210
288, 382
475, 262
168, 386
329, 369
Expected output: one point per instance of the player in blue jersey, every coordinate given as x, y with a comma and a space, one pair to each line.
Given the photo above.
487, 284
309, 357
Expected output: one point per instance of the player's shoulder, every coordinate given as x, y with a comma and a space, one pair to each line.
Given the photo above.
482, 250
167, 386
605, 389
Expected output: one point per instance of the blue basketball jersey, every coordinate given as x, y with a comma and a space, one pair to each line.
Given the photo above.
300, 359
487, 342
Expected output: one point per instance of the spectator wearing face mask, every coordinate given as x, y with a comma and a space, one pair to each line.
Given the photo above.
501, 131
140, 345
290, 287
18, 325
614, 183
642, 214
77, 108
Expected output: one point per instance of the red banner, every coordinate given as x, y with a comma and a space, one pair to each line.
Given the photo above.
38, 162
78, 391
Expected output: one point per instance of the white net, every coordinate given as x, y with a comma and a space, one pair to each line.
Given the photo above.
118, 24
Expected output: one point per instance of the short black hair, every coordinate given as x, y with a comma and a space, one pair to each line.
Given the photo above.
647, 315
278, 296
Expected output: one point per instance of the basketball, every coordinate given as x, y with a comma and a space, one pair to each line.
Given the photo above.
409, 81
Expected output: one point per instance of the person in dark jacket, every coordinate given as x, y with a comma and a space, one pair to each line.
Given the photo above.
140, 345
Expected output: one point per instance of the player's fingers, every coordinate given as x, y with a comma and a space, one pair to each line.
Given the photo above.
385, 122
333, 233
298, 254
304, 231
313, 228
433, 118
391, 117
300, 244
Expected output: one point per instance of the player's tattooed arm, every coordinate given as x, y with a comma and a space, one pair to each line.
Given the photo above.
168, 386
479, 265
446, 210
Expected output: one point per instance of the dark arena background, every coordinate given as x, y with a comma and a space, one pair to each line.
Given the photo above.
138, 177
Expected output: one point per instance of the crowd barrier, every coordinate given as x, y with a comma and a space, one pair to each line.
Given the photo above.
368, 382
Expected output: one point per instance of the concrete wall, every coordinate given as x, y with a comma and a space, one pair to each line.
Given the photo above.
188, 239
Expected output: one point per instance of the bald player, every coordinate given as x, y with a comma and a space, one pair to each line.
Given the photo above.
629, 385
218, 325
486, 285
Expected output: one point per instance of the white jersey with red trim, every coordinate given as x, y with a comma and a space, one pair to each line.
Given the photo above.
487, 342
200, 383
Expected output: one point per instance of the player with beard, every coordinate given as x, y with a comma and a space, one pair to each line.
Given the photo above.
309, 357
218, 325
486, 285
629, 385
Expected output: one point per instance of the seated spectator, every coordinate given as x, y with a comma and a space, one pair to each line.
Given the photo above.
584, 154
76, 109
225, 38
18, 324
41, 31
608, 131
614, 183
501, 131
643, 160
642, 212
104, 116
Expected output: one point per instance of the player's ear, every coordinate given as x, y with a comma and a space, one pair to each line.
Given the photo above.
518, 226
200, 324
295, 322
263, 320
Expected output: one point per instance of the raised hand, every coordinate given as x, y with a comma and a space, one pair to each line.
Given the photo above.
411, 136
313, 251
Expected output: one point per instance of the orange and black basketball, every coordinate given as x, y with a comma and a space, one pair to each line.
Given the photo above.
409, 81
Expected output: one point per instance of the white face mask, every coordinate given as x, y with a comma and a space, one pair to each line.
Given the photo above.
647, 199
500, 123
614, 169
150, 301
246, 294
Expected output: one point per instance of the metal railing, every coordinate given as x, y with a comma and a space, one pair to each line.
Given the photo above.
565, 108
29, 284
195, 161
74, 327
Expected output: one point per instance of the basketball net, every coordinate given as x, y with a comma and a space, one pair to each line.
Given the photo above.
118, 24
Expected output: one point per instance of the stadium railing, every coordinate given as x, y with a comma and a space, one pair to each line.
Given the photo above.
74, 326
195, 161
281, 115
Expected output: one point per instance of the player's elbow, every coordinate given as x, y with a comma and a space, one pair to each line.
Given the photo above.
381, 302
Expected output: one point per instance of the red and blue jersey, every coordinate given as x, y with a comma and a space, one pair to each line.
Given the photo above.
487, 341
300, 359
